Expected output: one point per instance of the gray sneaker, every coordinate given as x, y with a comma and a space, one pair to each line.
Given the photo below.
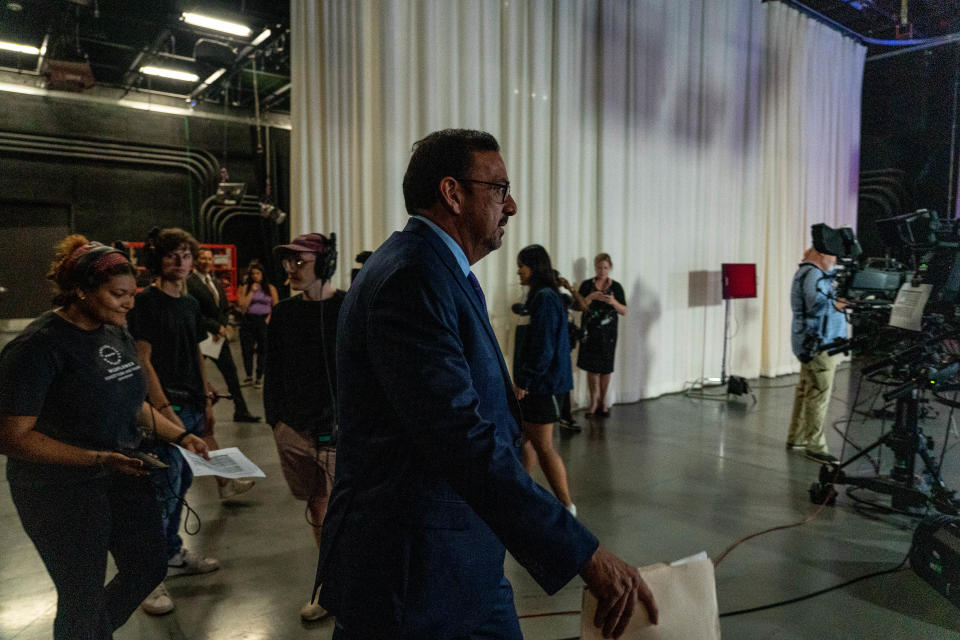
158, 602
188, 563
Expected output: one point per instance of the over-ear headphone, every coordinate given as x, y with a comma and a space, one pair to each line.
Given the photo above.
326, 263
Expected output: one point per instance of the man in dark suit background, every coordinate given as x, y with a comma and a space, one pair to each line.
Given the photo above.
203, 285
429, 486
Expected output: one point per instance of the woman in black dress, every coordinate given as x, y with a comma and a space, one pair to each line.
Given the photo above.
601, 299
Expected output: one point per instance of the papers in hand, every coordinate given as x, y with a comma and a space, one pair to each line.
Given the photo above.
210, 347
226, 463
686, 596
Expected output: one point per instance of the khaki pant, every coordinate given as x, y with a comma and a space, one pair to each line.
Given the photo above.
811, 401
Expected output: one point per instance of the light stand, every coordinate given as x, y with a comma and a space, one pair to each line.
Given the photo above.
739, 281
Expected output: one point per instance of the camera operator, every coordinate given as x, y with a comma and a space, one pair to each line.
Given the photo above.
817, 320
300, 387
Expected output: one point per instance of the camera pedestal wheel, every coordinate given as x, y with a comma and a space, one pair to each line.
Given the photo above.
822, 493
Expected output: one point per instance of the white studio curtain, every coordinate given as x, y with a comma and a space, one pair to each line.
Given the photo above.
674, 136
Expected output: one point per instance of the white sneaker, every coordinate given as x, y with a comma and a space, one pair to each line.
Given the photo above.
234, 488
312, 610
158, 602
573, 510
188, 563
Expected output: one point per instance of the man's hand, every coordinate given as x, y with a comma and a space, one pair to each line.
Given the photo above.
618, 587
520, 393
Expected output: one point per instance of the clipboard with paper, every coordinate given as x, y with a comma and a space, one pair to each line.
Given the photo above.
686, 596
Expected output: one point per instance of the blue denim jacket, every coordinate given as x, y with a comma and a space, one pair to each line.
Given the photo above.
811, 298
544, 357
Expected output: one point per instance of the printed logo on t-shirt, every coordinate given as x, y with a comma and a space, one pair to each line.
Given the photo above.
110, 355
118, 370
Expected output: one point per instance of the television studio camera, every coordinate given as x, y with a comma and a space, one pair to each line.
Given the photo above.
904, 309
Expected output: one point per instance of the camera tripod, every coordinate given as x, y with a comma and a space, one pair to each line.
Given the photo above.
907, 441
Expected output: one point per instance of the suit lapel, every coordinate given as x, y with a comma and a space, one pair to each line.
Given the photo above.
448, 260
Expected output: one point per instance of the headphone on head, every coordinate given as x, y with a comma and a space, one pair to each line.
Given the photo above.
326, 263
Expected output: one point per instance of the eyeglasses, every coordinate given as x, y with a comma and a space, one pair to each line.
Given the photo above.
294, 263
503, 187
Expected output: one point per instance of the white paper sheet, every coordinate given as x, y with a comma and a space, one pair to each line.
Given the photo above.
226, 463
686, 596
907, 310
210, 347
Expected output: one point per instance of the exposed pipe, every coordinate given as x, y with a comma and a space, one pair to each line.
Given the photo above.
203, 161
952, 176
931, 43
198, 165
921, 42
233, 214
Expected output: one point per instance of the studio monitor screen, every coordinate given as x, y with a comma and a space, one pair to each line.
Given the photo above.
739, 280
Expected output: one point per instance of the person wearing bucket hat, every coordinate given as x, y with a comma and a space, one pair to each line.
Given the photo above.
300, 382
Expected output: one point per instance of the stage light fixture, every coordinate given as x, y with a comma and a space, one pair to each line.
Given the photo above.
214, 76
173, 74
260, 38
19, 48
206, 22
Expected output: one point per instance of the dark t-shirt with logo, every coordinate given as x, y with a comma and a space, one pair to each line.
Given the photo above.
86, 388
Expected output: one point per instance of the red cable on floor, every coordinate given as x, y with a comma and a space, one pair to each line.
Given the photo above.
810, 517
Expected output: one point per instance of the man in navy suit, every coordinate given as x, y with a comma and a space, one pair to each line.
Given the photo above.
429, 487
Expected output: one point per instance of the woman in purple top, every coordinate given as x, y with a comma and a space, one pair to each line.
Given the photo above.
256, 297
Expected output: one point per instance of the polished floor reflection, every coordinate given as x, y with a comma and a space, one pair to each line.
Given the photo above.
658, 480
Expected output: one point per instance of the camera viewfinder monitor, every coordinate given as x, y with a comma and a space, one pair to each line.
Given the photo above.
739, 280
231, 193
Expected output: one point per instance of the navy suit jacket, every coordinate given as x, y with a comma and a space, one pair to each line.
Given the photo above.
429, 486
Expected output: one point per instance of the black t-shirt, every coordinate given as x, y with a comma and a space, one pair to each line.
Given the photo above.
301, 351
86, 388
173, 327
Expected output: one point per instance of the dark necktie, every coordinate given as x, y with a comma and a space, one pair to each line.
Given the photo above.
476, 288
213, 288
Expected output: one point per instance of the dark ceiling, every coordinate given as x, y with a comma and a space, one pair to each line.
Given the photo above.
883, 19
118, 37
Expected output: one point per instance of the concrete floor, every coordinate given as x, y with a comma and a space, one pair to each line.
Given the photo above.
658, 480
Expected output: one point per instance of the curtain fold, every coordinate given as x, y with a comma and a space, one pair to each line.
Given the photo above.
674, 136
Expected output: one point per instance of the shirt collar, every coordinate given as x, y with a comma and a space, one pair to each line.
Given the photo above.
455, 248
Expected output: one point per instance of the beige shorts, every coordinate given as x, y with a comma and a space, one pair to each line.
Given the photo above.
309, 471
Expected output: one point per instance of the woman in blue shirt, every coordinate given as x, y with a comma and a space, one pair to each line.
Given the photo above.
542, 368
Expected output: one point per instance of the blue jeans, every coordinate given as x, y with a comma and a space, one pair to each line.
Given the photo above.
172, 483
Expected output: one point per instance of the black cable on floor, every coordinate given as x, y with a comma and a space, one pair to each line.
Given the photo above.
817, 593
